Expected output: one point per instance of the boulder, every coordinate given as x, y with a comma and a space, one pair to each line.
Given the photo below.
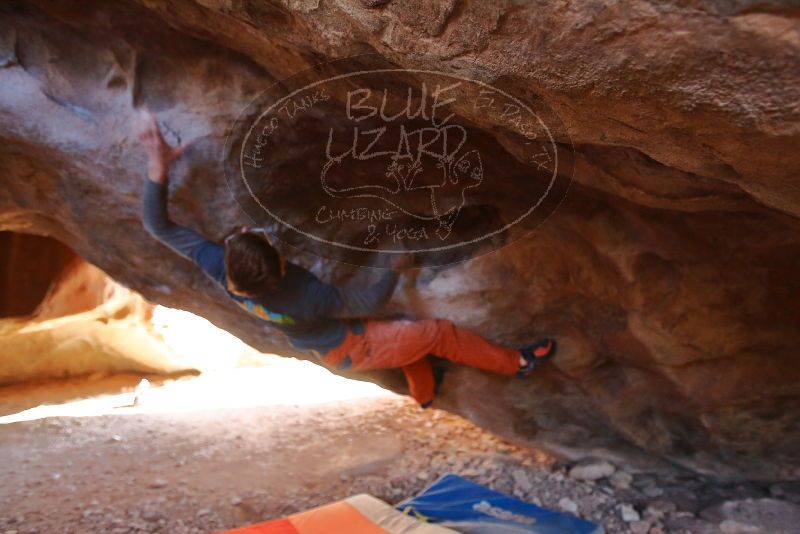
29, 266
84, 323
592, 470
668, 272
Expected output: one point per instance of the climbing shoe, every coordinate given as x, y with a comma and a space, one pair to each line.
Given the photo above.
438, 377
536, 354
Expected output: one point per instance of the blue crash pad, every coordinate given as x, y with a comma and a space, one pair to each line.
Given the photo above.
470, 508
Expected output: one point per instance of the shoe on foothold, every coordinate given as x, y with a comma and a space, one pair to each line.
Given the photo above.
536, 354
438, 376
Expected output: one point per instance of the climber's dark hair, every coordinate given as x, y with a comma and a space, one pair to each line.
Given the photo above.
252, 265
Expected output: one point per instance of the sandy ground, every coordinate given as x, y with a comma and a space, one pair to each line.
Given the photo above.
230, 448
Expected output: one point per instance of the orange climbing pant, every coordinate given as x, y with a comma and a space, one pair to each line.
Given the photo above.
406, 344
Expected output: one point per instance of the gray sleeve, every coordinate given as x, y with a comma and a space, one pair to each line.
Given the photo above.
358, 302
156, 221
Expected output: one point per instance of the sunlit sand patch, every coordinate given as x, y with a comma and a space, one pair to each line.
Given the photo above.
280, 382
274, 381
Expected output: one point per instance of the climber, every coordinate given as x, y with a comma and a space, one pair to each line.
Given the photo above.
333, 322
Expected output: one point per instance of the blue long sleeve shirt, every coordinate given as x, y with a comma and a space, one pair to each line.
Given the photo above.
309, 311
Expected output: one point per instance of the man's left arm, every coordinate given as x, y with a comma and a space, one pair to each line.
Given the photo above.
155, 216
365, 302
356, 302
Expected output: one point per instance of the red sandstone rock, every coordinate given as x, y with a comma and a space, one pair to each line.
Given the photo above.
85, 323
669, 273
